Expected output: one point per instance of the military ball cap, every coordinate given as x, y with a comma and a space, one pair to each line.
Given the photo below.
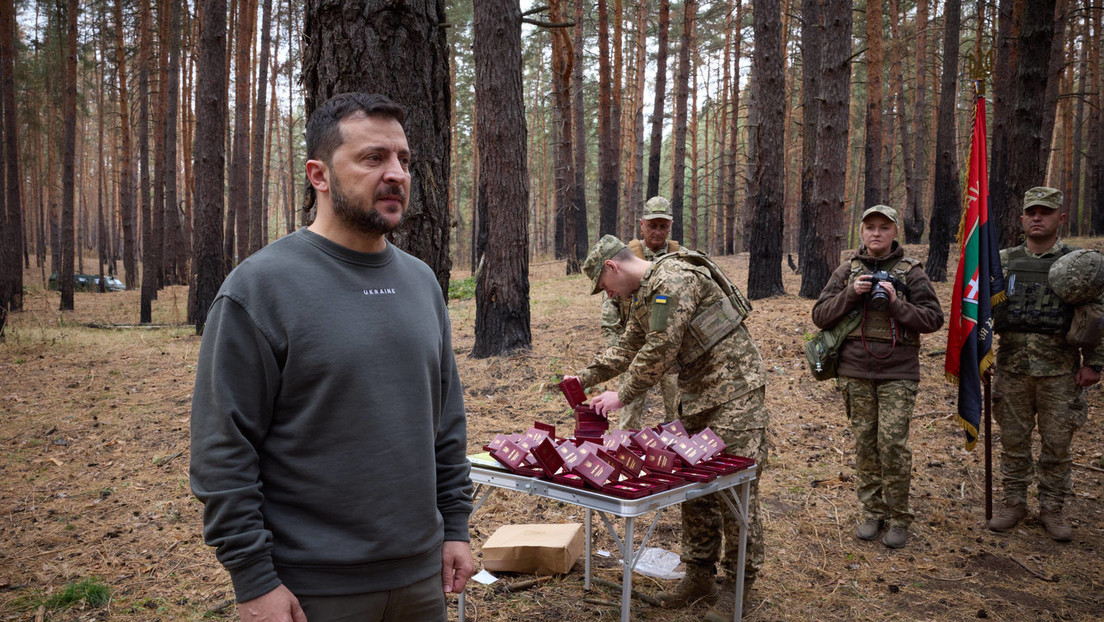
1050, 198
657, 207
605, 249
884, 210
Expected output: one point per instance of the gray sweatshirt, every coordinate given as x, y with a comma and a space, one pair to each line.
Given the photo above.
328, 427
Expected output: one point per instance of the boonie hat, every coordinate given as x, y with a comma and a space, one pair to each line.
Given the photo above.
657, 207
884, 210
1050, 198
605, 249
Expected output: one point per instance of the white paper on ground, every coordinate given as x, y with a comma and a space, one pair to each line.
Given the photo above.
484, 577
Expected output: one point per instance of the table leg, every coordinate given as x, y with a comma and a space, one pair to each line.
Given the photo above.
628, 559
737, 500
586, 564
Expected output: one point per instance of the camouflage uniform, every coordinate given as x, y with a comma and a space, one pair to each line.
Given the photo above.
615, 315
722, 389
879, 376
1035, 384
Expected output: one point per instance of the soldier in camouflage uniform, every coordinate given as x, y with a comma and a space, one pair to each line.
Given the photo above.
655, 226
1039, 376
680, 319
879, 367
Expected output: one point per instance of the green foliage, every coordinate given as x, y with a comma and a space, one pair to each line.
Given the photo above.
462, 289
91, 591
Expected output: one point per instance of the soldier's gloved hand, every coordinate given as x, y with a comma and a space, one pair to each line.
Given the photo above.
1086, 377
606, 403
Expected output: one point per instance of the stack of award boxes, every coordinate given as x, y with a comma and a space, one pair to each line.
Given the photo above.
623, 463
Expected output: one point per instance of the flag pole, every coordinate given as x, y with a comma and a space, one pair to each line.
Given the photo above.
986, 379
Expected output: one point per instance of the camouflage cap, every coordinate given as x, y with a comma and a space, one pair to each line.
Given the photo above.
1050, 198
884, 210
657, 207
605, 249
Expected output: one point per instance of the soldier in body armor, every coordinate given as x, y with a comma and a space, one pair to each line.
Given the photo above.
655, 227
891, 298
686, 317
1039, 376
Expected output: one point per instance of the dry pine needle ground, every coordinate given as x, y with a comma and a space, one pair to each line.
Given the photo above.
94, 478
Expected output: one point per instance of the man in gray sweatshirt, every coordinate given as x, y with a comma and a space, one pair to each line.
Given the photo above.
328, 427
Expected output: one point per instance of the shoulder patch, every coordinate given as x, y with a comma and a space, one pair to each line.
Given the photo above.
661, 300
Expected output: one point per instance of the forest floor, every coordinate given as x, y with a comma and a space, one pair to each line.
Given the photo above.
94, 478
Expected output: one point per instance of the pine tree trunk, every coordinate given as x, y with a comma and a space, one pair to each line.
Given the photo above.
127, 196
563, 150
914, 192
1001, 211
682, 83
401, 52
502, 289
1079, 206
11, 277
607, 182
732, 237
69, 156
766, 188
579, 204
175, 257
150, 246
947, 199
872, 184
258, 236
811, 53
210, 161
655, 145
1057, 64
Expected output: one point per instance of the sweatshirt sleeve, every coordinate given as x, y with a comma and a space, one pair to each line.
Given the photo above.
922, 313
454, 486
237, 377
836, 299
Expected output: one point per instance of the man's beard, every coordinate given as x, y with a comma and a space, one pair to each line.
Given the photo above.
361, 218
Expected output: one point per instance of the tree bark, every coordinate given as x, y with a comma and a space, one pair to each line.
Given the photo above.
11, 277
1026, 168
258, 234
69, 156
607, 155
175, 254
767, 184
579, 204
914, 192
563, 61
398, 50
830, 162
872, 178
682, 83
655, 145
127, 196
811, 52
150, 246
1005, 221
947, 199
210, 161
502, 288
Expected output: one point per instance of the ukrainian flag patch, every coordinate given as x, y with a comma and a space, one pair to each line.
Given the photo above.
661, 300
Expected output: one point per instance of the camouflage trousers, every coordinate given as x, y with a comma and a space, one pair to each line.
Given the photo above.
1058, 405
632, 415
880, 412
706, 519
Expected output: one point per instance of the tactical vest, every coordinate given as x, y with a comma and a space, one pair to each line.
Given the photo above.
1032, 306
637, 247
878, 325
717, 321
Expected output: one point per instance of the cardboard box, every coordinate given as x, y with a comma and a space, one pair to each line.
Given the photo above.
534, 549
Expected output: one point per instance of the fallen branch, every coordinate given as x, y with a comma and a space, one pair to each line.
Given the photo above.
601, 603
1089, 467
165, 461
1033, 571
934, 412
638, 595
518, 586
220, 608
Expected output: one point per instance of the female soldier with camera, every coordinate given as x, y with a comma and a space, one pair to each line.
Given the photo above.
891, 299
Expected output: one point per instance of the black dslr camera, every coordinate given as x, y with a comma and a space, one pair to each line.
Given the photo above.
878, 296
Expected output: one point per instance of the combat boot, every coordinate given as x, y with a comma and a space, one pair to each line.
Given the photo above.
1056, 525
698, 583
723, 609
1007, 516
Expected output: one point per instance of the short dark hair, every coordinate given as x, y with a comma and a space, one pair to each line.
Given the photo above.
323, 133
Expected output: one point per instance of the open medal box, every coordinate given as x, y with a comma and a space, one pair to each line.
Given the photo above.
622, 463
